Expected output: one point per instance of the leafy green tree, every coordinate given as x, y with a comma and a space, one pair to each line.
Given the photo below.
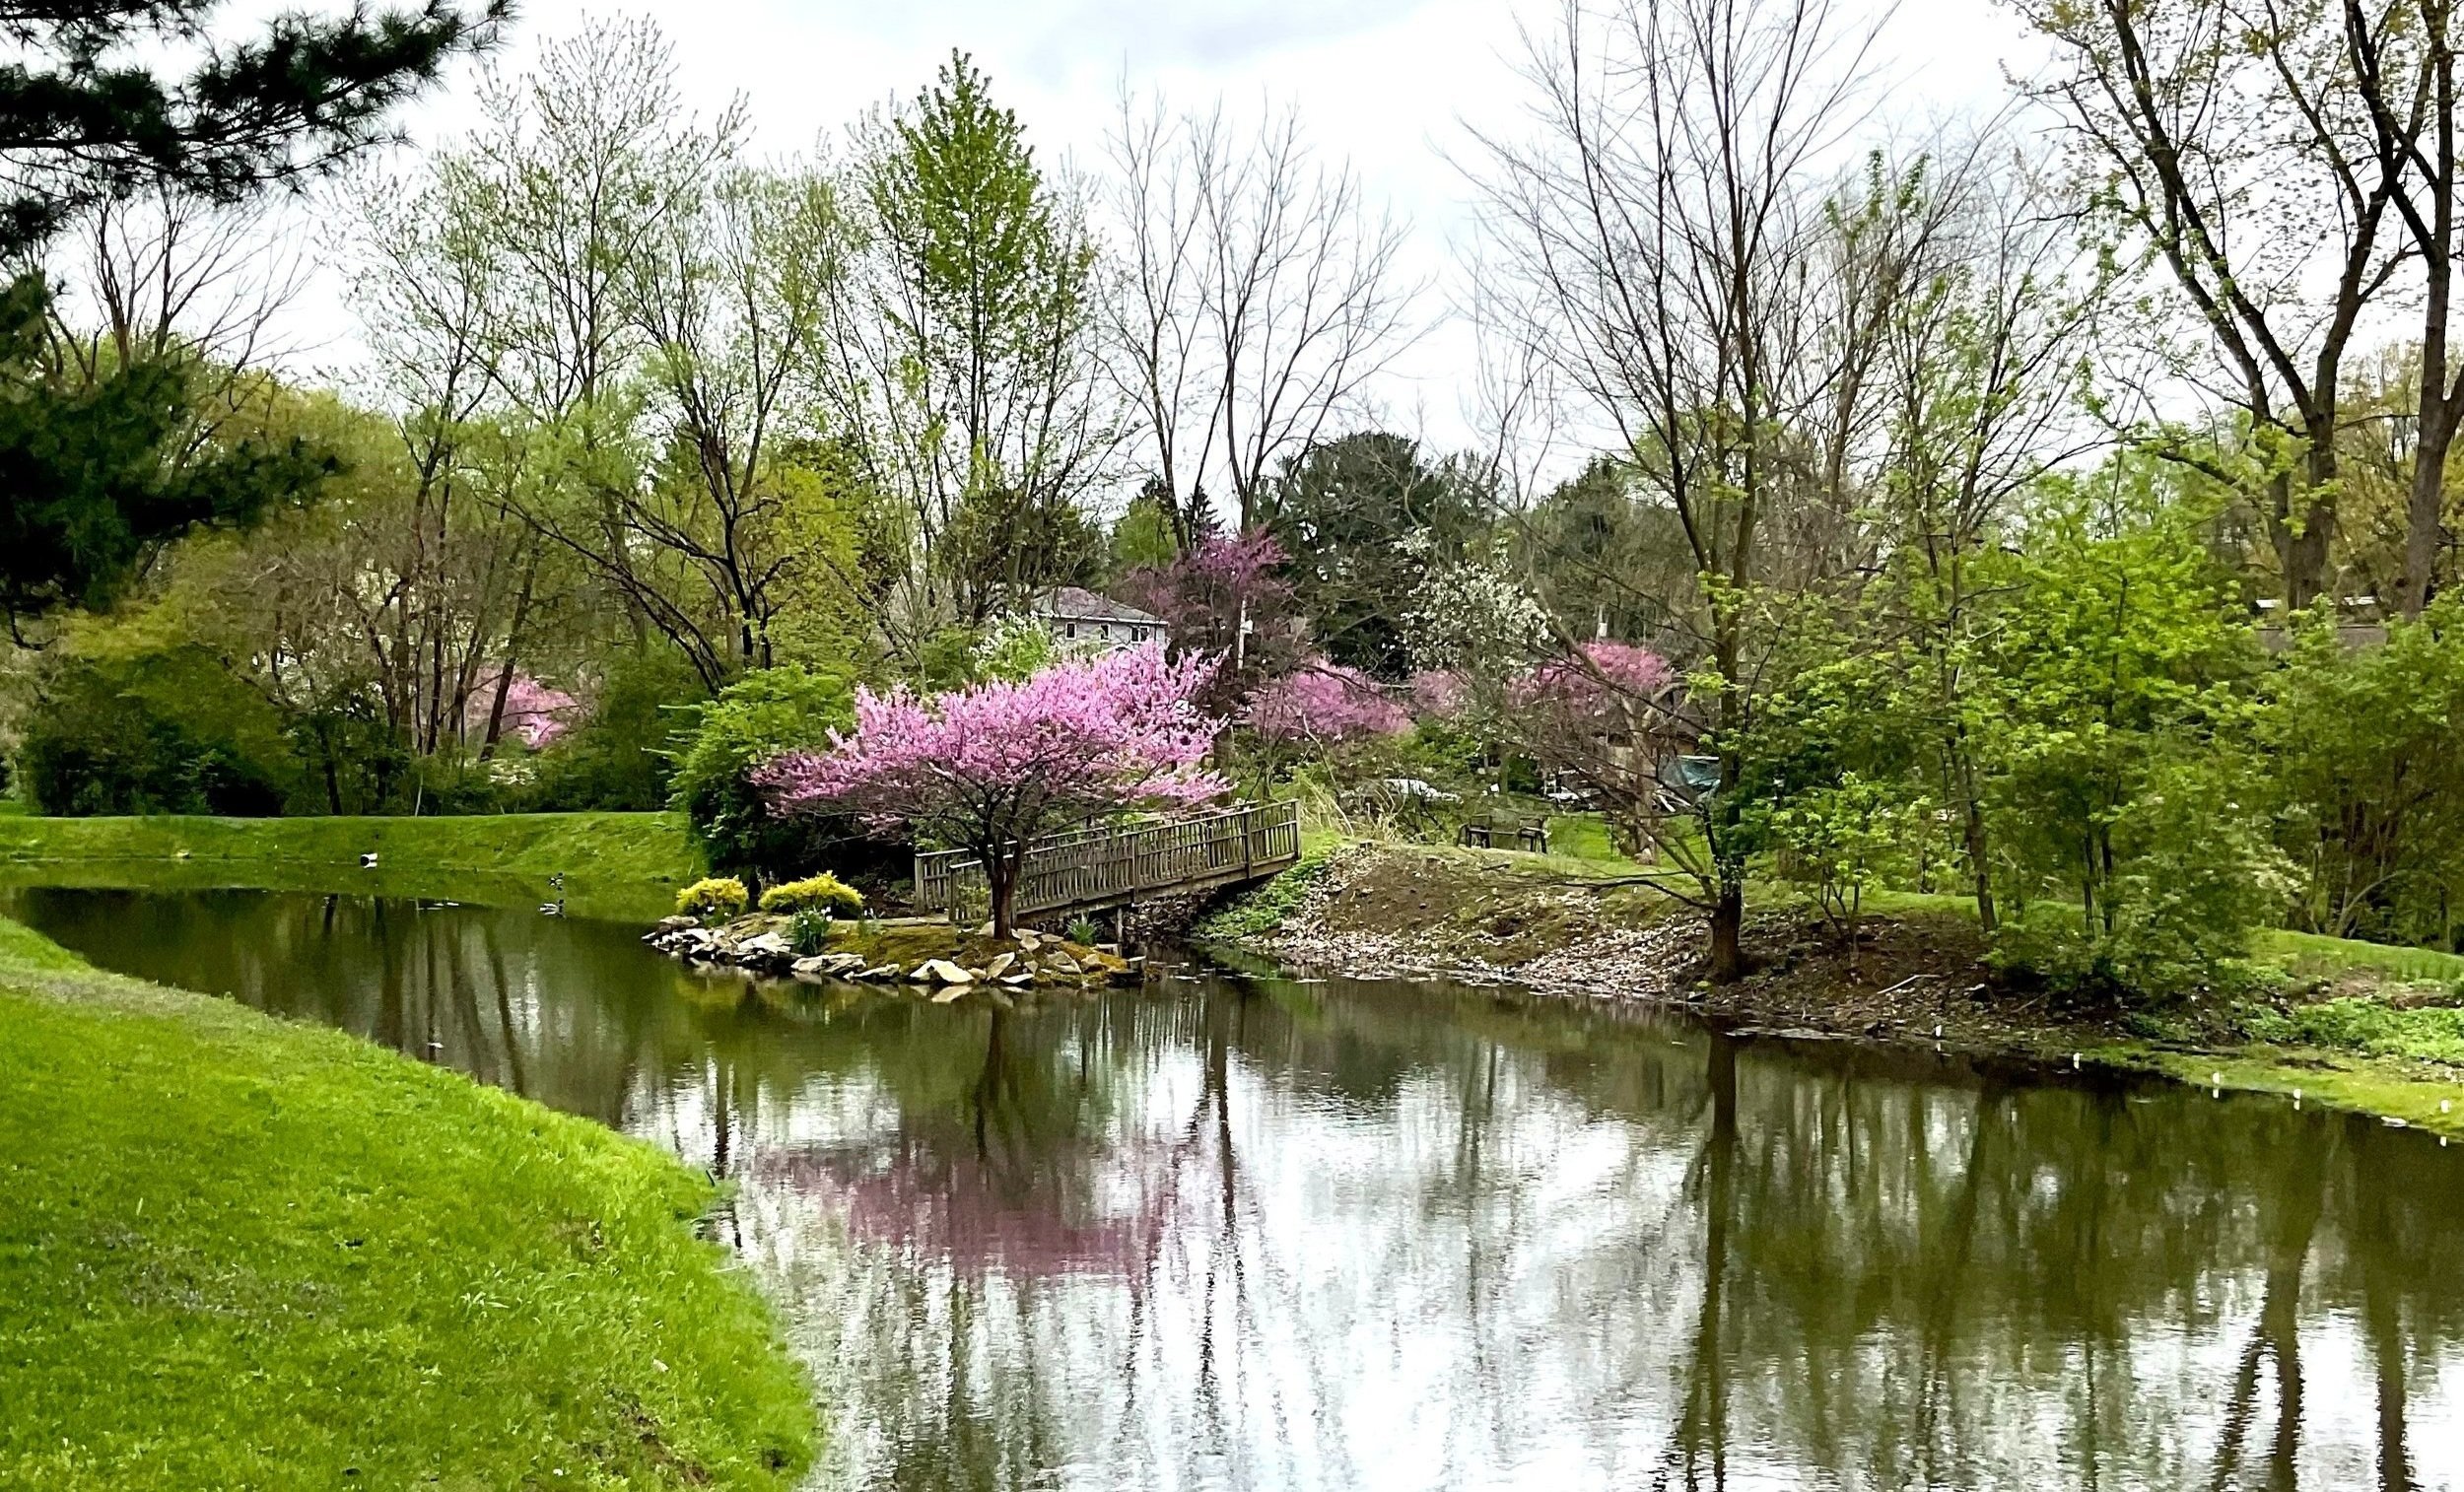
158, 730
85, 115
964, 364
1143, 536
2367, 782
622, 756
753, 720
2120, 762
94, 484
1342, 511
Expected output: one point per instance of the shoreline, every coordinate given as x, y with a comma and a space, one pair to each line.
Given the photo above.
1365, 910
620, 866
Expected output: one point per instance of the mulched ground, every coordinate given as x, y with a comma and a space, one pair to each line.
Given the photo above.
1398, 910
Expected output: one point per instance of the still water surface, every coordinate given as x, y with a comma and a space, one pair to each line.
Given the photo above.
1252, 1233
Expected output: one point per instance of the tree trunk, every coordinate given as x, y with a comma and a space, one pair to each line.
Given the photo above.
1728, 928
1001, 879
2303, 551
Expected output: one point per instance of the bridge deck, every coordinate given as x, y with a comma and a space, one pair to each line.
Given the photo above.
1103, 869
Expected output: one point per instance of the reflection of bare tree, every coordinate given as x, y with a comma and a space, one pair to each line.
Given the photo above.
2276, 1335
1702, 1429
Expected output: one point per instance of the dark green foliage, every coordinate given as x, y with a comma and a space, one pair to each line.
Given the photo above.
353, 760
92, 486
752, 720
2368, 770
1339, 510
1603, 559
1001, 547
82, 116
623, 755
168, 732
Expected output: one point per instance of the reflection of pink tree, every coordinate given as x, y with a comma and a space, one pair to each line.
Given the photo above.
992, 768
961, 1208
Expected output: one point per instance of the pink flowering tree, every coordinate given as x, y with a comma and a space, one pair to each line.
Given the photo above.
1321, 704
1607, 716
530, 711
991, 768
1205, 595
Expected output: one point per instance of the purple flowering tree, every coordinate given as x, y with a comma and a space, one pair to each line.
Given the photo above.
530, 711
1205, 595
992, 768
1607, 716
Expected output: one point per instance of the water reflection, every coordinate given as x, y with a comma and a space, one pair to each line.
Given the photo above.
1243, 1233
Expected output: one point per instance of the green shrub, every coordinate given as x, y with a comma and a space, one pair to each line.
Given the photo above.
713, 897
170, 731
808, 933
753, 720
622, 756
821, 893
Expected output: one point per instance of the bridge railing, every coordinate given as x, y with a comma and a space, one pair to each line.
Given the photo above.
1104, 867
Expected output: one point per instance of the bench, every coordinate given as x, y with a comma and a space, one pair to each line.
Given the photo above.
1527, 833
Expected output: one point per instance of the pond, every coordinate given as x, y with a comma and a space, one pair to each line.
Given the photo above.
1260, 1232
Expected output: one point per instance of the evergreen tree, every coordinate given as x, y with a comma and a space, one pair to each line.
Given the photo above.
83, 117
92, 472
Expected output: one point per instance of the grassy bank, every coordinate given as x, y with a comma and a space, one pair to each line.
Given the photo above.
2353, 1025
243, 1253
615, 864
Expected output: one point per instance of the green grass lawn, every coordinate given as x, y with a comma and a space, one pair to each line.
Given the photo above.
241, 1253
615, 864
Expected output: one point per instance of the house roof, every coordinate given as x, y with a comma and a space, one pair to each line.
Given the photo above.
1071, 603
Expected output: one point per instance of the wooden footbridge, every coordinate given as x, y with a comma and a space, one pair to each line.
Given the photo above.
1103, 869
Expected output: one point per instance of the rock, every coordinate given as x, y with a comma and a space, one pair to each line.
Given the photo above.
1029, 939
943, 972
676, 924
1062, 963
831, 966
985, 931
883, 972
766, 950
999, 966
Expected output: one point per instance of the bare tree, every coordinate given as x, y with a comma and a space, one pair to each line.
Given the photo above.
733, 300
1258, 294
1669, 215
2225, 141
2402, 56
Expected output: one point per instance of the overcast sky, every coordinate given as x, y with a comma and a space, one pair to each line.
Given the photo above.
1391, 85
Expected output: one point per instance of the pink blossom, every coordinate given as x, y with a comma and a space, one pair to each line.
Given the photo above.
1324, 702
993, 767
533, 712
1204, 594
1609, 676
1440, 693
